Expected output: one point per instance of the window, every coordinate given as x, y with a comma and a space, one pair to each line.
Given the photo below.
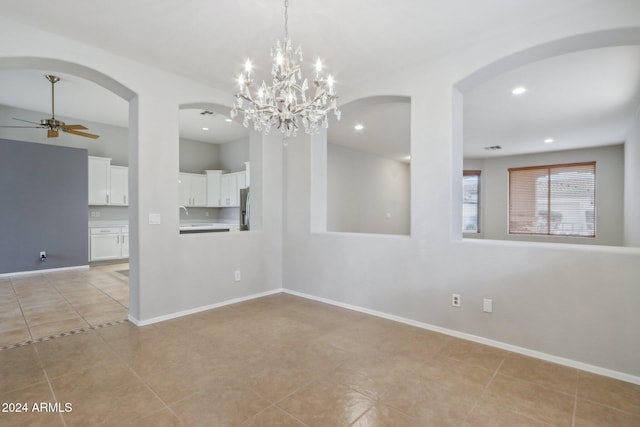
471, 202
554, 200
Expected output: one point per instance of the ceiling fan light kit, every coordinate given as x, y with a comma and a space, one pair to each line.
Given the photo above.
53, 125
285, 102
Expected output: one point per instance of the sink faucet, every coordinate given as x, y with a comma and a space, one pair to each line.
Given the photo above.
185, 209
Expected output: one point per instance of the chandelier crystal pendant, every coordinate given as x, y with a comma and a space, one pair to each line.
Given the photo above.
285, 103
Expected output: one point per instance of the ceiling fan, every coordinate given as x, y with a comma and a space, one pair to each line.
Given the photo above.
52, 125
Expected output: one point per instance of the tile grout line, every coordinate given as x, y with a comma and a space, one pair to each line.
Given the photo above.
477, 402
135, 373
21, 309
106, 294
53, 393
63, 334
72, 306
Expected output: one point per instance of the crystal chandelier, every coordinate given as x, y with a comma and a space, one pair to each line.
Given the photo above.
285, 103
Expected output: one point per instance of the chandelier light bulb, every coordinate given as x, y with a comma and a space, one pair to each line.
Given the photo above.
318, 66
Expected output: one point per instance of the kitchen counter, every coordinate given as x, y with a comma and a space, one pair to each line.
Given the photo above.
107, 223
206, 227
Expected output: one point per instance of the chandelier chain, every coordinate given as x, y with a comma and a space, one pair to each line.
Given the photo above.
286, 19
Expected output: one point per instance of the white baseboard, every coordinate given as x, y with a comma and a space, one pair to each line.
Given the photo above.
51, 270
203, 308
498, 344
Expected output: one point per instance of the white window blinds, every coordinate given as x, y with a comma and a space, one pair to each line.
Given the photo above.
553, 200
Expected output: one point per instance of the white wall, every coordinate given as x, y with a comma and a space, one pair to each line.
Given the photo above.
234, 154
632, 186
198, 156
366, 193
572, 303
609, 193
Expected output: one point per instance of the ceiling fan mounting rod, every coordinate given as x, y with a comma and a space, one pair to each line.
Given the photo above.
53, 79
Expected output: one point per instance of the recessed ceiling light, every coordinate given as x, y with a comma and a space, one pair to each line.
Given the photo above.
407, 157
205, 128
519, 90
358, 127
228, 120
548, 140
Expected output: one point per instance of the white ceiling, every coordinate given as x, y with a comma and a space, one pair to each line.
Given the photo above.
386, 129
583, 99
209, 40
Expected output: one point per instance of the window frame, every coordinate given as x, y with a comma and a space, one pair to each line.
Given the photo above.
549, 173
477, 173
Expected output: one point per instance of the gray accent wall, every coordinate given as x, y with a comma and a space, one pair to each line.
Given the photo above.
43, 194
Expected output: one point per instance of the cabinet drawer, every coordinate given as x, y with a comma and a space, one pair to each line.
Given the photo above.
105, 230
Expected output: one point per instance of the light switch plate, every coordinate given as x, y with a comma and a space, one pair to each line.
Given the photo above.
154, 218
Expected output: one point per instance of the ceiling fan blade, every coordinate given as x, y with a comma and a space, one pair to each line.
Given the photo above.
27, 121
73, 127
25, 127
52, 133
86, 135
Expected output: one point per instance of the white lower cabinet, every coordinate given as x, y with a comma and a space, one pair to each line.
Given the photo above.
108, 243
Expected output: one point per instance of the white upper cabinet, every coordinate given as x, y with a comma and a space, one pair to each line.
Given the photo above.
108, 185
214, 188
99, 180
199, 190
230, 189
119, 186
193, 189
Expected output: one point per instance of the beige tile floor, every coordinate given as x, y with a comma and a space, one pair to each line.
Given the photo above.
287, 361
39, 305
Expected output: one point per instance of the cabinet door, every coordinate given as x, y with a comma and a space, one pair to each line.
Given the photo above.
239, 183
105, 246
99, 180
242, 181
214, 188
228, 185
119, 186
124, 242
199, 190
184, 184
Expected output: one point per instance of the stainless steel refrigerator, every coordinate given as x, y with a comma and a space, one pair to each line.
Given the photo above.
245, 209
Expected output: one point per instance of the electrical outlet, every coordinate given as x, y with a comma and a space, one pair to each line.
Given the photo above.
236, 276
487, 305
43, 255
455, 300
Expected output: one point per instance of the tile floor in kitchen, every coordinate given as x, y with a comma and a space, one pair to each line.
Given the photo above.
282, 360
42, 304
